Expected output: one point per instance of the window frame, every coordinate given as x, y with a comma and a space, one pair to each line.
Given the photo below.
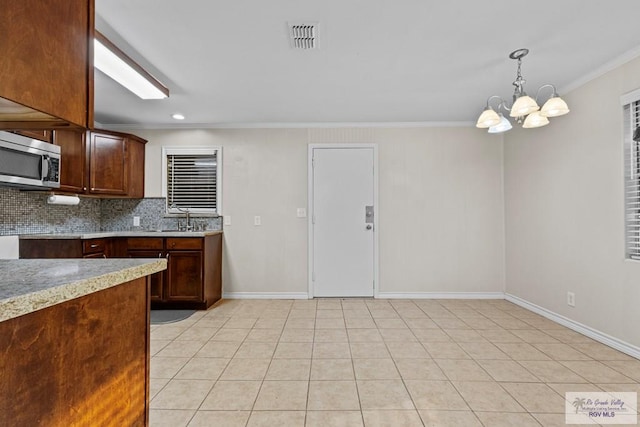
208, 151
631, 169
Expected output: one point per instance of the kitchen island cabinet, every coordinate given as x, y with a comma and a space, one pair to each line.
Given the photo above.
74, 342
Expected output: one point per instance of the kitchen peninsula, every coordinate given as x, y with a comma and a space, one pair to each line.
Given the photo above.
74, 341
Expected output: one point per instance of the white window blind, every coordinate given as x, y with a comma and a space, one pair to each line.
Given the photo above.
632, 180
192, 180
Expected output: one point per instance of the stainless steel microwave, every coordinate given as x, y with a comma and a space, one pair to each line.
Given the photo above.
28, 163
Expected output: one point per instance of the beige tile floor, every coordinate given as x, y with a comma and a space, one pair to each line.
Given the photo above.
363, 362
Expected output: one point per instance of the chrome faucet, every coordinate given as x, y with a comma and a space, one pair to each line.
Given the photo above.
187, 213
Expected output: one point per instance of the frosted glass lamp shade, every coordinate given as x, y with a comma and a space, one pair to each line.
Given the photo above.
523, 106
487, 119
503, 126
535, 120
554, 107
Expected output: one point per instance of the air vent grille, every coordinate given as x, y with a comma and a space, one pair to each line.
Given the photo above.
303, 35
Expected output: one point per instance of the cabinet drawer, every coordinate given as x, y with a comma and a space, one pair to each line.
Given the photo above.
145, 243
93, 246
184, 243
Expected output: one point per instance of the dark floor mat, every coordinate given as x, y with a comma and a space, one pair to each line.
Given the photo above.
159, 317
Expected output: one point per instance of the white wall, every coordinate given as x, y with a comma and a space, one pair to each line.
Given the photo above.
441, 205
564, 211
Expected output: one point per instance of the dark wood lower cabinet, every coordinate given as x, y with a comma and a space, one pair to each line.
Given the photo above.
67, 248
193, 278
83, 362
184, 276
50, 248
157, 279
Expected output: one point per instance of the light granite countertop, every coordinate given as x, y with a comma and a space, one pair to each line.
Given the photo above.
105, 234
27, 285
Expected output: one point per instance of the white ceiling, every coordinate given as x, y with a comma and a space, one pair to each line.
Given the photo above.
229, 63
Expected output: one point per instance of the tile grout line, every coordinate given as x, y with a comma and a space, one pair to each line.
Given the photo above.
456, 310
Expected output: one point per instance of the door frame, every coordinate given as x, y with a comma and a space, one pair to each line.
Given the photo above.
376, 210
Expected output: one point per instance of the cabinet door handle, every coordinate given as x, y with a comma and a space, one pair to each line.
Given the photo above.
167, 255
104, 256
159, 254
93, 246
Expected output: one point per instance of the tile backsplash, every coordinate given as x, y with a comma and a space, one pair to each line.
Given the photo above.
27, 212
24, 212
117, 215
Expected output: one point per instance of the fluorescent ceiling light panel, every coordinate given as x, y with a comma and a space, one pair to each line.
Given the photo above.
117, 65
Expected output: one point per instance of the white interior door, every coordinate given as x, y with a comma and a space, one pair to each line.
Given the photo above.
343, 234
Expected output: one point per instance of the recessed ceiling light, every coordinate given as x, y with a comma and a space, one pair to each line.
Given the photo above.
178, 116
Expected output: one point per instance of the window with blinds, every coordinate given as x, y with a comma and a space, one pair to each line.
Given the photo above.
192, 180
632, 180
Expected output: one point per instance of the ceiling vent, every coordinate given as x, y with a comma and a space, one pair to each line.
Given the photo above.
303, 35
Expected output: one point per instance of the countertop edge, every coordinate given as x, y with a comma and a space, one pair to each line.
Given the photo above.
24, 304
107, 234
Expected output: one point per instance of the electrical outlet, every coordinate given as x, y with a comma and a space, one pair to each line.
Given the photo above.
257, 220
571, 299
227, 220
301, 213
136, 221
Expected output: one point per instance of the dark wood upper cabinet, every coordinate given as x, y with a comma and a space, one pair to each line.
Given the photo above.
116, 164
73, 160
46, 64
101, 163
136, 166
108, 172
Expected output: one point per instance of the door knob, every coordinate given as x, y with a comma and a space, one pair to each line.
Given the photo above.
369, 226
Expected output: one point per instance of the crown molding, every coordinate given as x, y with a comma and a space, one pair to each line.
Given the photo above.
288, 125
618, 61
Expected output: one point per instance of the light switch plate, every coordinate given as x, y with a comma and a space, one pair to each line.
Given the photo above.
227, 220
136, 221
257, 220
301, 213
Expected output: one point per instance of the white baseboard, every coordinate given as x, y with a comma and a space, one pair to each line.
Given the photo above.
265, 295
441, 295
606, 339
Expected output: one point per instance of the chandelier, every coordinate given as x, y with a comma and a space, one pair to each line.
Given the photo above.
525, 110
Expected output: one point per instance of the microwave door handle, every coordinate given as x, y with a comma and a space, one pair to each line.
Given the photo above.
45, 166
